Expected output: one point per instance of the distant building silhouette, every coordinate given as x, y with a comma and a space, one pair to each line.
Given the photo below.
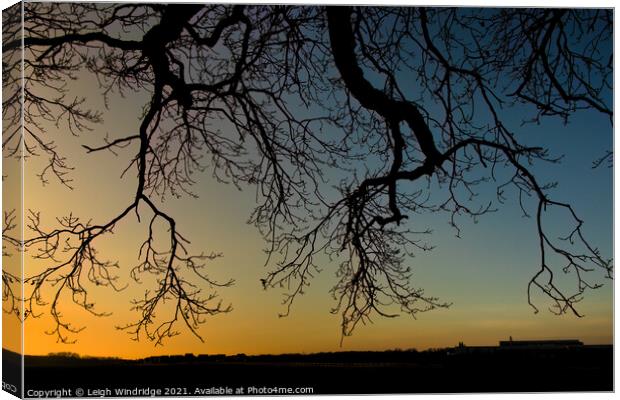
540, 343
508, 345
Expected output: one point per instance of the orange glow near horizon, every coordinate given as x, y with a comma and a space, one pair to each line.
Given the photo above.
478, 317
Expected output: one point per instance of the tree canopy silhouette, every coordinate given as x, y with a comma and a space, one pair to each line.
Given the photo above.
349, 121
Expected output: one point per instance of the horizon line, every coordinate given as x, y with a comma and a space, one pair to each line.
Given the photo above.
411, 349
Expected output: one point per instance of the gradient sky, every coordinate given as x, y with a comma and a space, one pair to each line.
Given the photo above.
484, 274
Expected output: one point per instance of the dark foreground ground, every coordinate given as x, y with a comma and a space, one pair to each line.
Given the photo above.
588, 368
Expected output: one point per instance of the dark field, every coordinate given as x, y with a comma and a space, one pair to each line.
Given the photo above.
587, 368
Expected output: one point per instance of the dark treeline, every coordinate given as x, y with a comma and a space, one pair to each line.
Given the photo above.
478, 369
386, 356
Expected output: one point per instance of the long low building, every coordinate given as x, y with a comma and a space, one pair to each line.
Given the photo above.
506, 345
540, 343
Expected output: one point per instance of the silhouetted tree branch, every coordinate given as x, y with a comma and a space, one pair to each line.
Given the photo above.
348, 120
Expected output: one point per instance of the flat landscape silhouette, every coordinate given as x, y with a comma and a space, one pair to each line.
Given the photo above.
448, 370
